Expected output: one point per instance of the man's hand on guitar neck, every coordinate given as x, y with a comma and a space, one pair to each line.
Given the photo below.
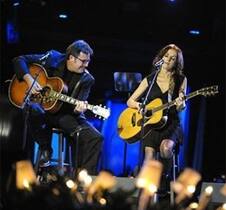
81, 106
36, 86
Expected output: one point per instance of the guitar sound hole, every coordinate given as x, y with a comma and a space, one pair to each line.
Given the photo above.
148, 113
45, 91
140, 122
43, 96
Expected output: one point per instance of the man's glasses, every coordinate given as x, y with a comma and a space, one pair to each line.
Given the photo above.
83, 61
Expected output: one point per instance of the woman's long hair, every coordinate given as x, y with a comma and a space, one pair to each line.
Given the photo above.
179, 64
177, 68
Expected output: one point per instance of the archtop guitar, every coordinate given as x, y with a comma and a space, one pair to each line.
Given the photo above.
52, 95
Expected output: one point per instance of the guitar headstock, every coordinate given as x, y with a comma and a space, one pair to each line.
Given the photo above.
101, 111
209, 91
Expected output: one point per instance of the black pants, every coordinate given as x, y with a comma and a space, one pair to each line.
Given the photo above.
90, 139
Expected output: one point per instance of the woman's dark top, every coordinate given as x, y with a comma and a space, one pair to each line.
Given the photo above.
172, 129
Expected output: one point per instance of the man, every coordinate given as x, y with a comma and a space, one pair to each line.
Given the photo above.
71, 67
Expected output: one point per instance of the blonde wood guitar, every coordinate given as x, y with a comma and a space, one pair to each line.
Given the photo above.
130, 120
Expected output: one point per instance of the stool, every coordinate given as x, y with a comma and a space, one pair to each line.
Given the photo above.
174, 172
176, 163
60, 159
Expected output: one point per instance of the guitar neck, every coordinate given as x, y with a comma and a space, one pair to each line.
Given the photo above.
68, 99
102, 112
172, 103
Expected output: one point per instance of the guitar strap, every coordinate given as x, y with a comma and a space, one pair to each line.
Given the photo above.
44, 58
178, 81
169, 97
76, 88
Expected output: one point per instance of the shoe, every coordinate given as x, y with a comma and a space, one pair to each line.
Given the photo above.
44, 164
45, 158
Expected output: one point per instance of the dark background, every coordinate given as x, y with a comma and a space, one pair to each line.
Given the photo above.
125, 36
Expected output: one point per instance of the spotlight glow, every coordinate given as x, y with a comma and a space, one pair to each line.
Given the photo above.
63, 16
194, 32
16, 4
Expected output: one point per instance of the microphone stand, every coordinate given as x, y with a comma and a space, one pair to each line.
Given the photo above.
143, 104
26, 108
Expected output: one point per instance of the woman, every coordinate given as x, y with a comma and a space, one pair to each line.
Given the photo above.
169, 83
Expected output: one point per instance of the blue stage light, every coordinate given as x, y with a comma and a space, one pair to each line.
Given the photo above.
15, 4
12, 33
194, 32
63, 16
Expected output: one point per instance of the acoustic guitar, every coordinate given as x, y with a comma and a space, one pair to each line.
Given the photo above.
130, 120
52, 94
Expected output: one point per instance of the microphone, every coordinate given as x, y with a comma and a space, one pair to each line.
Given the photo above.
159, 63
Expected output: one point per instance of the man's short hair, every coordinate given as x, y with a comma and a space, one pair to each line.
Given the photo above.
78, 46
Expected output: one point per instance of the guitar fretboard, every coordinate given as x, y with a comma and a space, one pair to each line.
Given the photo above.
172, 103
67, 99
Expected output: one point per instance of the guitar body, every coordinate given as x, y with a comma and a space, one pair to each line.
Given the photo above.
130, 122
18, 89
51, 97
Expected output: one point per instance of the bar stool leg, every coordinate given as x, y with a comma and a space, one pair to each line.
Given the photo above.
70, 160
60, 153
172, 195
38, 157
76, 139
60, 156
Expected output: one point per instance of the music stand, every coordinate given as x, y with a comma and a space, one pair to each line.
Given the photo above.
126, 82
